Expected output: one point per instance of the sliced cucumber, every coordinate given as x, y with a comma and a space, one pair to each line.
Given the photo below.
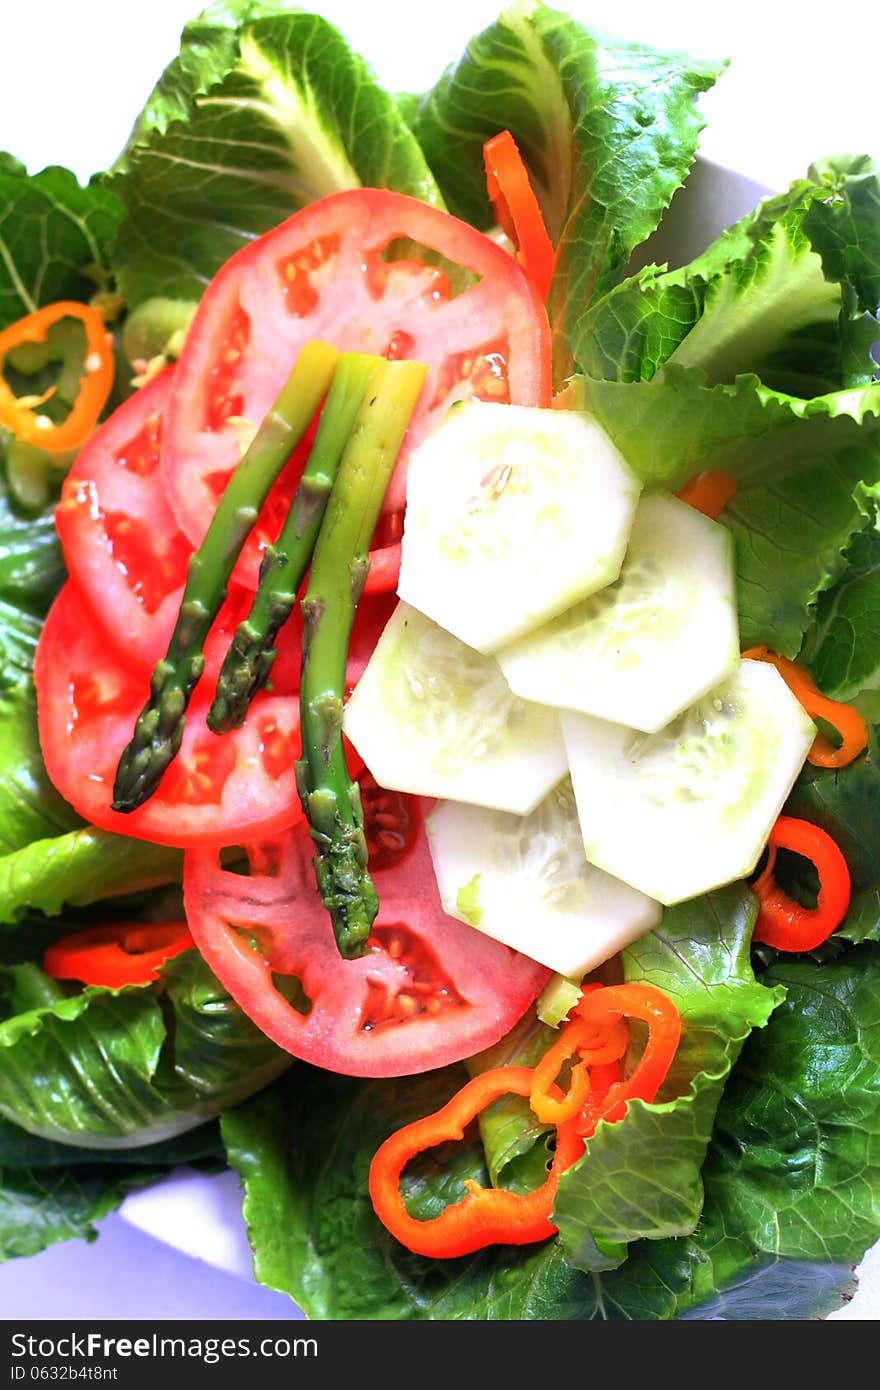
687, 809
642, 649
432, 716
525, 881
513, 514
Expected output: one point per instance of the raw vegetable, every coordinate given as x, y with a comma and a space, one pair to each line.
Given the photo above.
517, 210
525, 881
332, 272
485, 1216
746, 1186
784, 922
682, 811
330, 800
249, 660
848, 724
512, 515
84, 384
428, 992
642, 649
159, 728
433, 717
117, 953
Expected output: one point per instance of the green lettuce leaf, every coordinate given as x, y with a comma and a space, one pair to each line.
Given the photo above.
608, 130
54, 237
265, 110
844, 649
699, 955
761, 299
30, 808
792, 1187
115, 1069
79, 868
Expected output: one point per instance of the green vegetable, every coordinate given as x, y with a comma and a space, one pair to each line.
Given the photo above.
248, 662
159, 727
118, 1069
330, 799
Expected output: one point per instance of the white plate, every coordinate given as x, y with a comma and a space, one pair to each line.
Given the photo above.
98, 60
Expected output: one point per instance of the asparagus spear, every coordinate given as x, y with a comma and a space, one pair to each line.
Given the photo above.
159, 727
251, 653
330, 799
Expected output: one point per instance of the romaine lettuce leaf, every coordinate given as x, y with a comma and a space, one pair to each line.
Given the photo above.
699, 955
843, 654
81, 867
115, 1069
49, 1192
265, 109
607, 128
792, 1189
53, 238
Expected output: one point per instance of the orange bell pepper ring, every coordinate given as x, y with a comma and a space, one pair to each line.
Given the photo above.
784, 923
844, 718
609, 1005
22, 416
485, 1215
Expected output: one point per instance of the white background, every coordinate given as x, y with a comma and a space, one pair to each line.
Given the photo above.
75, 75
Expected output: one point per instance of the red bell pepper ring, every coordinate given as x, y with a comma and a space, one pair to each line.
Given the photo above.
117, 953
784, 923
23, 417
484, 1216
609, 1005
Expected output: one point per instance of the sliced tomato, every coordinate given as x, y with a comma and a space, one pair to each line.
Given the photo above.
430, 991
218, 790
125, 551
333, 271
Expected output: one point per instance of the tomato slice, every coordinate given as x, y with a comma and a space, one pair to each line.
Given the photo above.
219, 789
430, 991
127, 555
332, 271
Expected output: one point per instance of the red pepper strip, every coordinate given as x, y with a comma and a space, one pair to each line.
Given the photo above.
708, 492
116, 953
784, 923
607, 1006
485, 1216
847, 721
26, 423
517, 211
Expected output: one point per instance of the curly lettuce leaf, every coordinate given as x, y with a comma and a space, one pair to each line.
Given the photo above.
265, 110
608, 130
116, 1069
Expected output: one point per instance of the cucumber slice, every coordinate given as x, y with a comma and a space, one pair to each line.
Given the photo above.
687, 809
432, 716
525, 881
513, 513
642, 649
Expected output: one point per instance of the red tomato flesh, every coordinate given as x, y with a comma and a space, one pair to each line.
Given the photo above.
217, 790
330, 272
431, 990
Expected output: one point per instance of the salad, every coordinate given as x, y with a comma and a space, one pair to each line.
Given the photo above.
318, 858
